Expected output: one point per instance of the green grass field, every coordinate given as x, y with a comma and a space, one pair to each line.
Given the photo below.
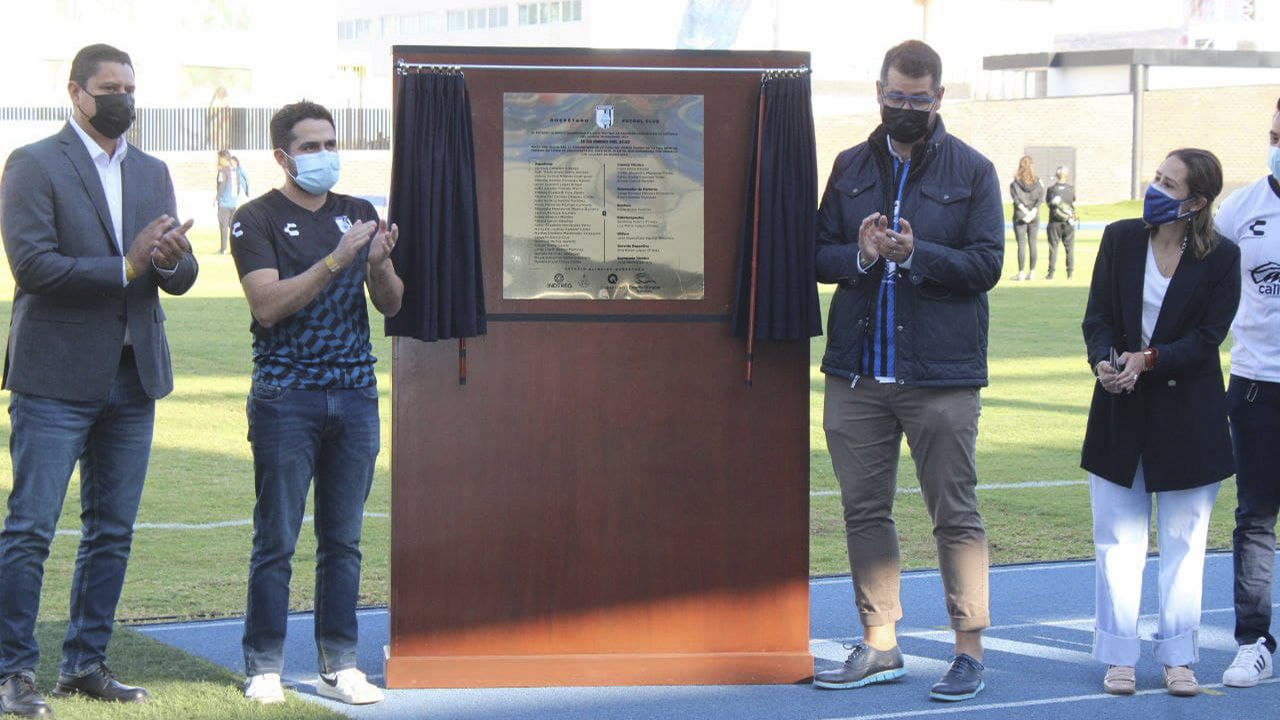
1031, 429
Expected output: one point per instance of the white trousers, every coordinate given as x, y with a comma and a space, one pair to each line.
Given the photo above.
1121, 527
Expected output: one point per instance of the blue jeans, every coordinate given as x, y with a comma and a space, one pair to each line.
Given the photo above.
111, 438
1254, 409
331, 435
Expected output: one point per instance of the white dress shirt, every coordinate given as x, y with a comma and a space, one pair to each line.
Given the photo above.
108, 167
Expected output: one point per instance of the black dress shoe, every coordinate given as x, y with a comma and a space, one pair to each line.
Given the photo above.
18, 696
99, 684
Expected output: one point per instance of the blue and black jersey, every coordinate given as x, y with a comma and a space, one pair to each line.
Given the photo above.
325, 345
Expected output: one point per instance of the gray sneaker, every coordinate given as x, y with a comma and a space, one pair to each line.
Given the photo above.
962, 680
865, 666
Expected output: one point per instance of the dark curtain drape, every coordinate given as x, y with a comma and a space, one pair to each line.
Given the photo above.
784, 154
433, 201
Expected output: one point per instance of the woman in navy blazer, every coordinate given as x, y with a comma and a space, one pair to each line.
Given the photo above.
1164, 292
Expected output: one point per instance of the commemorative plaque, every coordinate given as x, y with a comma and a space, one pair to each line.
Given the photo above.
602, 196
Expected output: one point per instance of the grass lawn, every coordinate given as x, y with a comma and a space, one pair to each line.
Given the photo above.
201, 472
181, 686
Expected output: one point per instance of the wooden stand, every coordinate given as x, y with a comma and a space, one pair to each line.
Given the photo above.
604, 503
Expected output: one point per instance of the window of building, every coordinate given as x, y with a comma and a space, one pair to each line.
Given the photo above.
549, 12
484, 18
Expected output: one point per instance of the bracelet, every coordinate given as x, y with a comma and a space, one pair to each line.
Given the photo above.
1149, 357
129, 273
332, 264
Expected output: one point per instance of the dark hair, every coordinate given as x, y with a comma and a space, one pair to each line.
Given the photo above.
283, 122
913, 59
1204, 180
86, 62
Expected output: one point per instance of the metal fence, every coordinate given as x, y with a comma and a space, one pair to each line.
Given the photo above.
232, 128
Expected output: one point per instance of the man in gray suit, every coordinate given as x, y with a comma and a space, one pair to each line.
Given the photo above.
90, 232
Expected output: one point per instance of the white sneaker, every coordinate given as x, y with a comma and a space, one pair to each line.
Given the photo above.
1252, 663
349, 686
264, 689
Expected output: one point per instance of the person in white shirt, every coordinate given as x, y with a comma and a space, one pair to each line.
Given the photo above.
1251, 217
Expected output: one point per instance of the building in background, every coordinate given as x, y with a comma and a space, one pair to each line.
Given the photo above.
211, 71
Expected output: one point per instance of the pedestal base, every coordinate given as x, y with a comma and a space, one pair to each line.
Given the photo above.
599, 670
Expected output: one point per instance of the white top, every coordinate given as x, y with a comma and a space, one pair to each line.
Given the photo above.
1251, 218
108, 167
1154, 287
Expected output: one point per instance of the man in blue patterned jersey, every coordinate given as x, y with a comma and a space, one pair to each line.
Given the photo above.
305, 255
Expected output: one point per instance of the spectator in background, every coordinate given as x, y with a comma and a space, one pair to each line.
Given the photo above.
1061, 199
1027, 194
1251, 217
228, 189
244, 179
1163, 294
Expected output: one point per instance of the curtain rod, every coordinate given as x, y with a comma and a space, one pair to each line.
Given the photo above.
403, 68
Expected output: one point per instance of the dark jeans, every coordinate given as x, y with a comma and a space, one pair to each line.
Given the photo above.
1026, 233
111, 438
1065, 233
331, 435
1254, 409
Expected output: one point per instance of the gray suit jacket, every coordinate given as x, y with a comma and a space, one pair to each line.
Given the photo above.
69, 307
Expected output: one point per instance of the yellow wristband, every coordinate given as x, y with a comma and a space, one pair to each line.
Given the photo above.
332, 264
129, 272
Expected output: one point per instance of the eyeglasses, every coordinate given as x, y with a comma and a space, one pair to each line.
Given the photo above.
915, 102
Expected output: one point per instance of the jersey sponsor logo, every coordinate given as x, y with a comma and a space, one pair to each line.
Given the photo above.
291, 229
236, 231
1256, 228
1267, 277
343, 223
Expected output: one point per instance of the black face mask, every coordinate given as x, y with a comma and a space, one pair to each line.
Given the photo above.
115, 113
904, 124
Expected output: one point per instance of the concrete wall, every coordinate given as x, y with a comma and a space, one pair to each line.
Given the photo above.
1098, 127
1232, 122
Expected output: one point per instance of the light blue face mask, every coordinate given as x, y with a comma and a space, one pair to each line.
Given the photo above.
1273, 161
317, 171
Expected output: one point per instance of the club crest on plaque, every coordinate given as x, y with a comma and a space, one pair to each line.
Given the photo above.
604, 116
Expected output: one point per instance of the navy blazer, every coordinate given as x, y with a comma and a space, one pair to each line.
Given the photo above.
1175, 420
70, 305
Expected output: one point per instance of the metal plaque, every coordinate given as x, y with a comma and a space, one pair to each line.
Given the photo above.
602, 196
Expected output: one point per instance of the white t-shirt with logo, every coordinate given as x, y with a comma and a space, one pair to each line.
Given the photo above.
1251, 217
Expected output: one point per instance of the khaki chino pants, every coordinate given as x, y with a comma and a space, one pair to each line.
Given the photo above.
864, 427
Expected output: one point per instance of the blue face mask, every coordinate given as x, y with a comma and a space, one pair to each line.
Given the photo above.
1159, 208
1273, 161
317, 171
